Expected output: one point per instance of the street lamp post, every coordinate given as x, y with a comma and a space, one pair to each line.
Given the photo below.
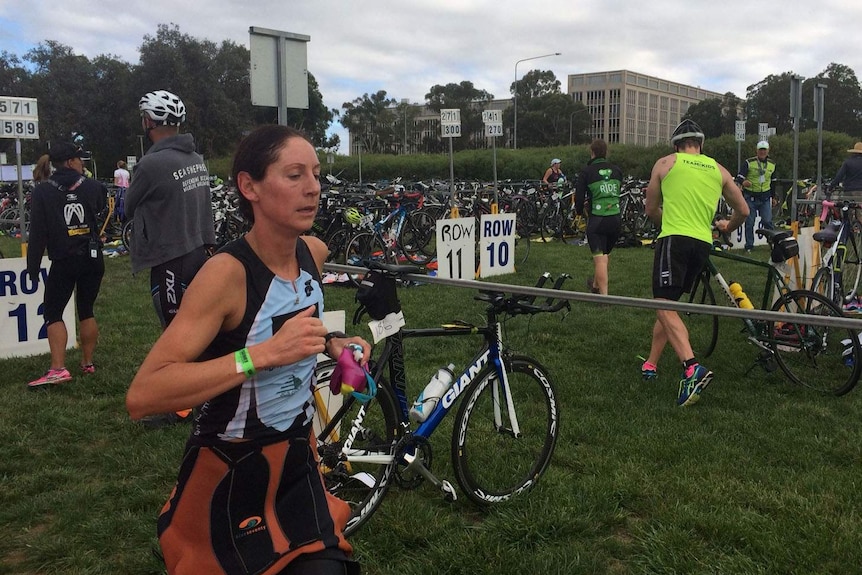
571, 116
515, 98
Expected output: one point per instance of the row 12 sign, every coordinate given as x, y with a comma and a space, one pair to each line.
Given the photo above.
19, 118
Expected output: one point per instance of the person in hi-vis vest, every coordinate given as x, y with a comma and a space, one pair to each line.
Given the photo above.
755, 177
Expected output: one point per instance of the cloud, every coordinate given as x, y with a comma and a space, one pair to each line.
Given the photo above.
406, 47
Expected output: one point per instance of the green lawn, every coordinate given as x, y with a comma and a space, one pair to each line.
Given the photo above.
759, 477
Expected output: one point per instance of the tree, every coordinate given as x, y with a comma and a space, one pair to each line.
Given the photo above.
370, 119
467, 98
768, 101
708, 115
546, 116
842, 100
316, 119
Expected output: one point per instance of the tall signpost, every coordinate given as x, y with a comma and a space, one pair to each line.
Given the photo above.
19, 118
818, 117
450, 127
493, 120
740, 137
795, 113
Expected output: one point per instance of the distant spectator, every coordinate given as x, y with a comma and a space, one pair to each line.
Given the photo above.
554, 174
755, 177
850, 175
121, 181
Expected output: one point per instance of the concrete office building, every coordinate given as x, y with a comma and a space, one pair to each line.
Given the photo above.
632, 108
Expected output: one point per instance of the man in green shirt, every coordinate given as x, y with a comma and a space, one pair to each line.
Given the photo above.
599, 184
681, 199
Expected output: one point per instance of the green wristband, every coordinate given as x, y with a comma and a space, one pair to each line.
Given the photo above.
243, 362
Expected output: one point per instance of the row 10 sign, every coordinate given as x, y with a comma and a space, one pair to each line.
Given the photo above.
19, 118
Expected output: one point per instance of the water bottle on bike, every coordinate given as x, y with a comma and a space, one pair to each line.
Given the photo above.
430, 396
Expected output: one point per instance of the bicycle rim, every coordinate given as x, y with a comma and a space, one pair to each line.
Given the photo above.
811, 355
419, 237
126, 235
702, 327
364, 431
491, 464
825, 286
852, 266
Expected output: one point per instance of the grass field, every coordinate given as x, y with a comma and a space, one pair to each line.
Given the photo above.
759, 477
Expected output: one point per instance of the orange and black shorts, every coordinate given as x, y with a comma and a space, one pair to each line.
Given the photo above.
242, 508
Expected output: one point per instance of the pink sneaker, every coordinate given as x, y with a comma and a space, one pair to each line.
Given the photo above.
88, 369
52, 376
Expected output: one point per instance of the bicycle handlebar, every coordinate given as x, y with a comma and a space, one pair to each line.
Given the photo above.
844, 205
525, 305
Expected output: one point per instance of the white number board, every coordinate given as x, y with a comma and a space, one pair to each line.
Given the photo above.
740, 130
19, 118
450, 123
18, 107
22, 326
492, 116
763, 129
456, 248
497, 244
451, 130
450, 116
493, 130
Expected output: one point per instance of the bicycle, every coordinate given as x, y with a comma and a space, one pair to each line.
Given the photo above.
841, 269
821, 358
401, 233
505, 429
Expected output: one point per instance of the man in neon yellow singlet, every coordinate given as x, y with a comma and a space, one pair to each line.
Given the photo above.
681, 199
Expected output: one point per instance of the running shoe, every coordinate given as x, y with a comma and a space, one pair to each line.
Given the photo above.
88, 369
51, 377
648, 373
591, 285
690, 388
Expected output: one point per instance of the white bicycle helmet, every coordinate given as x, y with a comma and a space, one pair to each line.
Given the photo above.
164, 108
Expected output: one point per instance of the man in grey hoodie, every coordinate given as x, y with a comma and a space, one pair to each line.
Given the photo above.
169, 200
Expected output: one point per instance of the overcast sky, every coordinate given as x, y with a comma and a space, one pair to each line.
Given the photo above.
407, 46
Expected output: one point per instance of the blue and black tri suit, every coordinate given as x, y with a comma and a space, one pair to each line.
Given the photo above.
257, 435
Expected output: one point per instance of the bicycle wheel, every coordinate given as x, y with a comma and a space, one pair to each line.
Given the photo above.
126, 235
824, 284
356, 445
362, 248
851, 268
813, 355
492, 463
418, 238
551, 226
337, 244
702, 327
